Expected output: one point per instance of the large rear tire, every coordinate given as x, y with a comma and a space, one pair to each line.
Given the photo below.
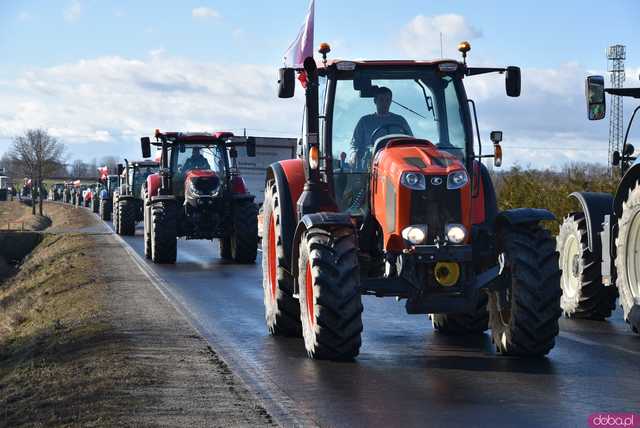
127, 213
628, 258
244, 239
583, 294
105, 211
330, 302
163, 233
524, 317
115, 215
146, 220
282, 310
475, 322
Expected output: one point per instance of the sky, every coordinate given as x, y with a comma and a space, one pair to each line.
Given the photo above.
99, 74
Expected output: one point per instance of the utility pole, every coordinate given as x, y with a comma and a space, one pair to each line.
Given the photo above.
616, 55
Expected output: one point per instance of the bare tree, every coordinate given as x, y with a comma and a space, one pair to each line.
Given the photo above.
79, 169
39, 155
110, 162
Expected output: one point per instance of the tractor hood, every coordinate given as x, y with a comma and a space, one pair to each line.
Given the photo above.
407, 154
201, 182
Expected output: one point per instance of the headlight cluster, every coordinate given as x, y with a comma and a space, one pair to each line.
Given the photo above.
456, 233
413, 180
416, 234
417, 181
457, 179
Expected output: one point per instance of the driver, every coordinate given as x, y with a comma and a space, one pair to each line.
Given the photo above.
196, 161
382, 123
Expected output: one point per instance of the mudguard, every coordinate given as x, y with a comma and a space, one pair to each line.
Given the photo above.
288, 176
321, 219
628, 181
595, 206
154, 182
162, 198
523, 215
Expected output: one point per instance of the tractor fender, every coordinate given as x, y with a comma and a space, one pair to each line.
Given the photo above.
162, 199
631, 177
517, 216
321, 219
154, 183
595, 206
288, 176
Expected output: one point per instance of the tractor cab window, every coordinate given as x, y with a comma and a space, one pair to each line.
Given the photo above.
199, 156
373, 105
141, 175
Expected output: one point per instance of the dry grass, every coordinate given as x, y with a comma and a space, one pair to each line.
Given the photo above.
56, 348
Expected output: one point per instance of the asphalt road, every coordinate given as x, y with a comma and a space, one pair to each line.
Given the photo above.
406, 375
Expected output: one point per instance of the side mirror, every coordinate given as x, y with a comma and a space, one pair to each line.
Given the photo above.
513, 81
628, 149
594, 93
233, 153
286, 82
251, 147
615, 158
496, 137
145, 145
120, 168
497, 155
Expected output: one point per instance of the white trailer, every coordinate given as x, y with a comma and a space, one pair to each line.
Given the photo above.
268, 151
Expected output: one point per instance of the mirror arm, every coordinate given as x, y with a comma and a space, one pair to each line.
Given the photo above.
475, 118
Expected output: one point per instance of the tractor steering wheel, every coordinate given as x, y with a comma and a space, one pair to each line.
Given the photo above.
388, 127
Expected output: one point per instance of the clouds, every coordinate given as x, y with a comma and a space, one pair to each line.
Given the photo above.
73, 11
103, 105
204, 13
420, 38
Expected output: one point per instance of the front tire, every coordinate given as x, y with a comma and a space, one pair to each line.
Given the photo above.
281, 309
147, 230
225, 248
105, 212
330, 302
583, 294
244, 240
163, 233
628, 258
524, 316
127, 212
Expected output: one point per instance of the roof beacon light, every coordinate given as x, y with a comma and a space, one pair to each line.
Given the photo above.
464, 47
325, 48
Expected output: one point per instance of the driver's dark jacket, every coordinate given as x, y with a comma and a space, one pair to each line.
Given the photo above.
362, 135
196, 162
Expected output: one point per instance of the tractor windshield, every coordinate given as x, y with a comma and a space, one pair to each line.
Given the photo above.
377, 103
140, 176
374, 104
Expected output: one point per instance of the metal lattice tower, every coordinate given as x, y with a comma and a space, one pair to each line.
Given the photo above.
616, 55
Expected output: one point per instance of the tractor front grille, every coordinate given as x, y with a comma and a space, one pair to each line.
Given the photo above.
436, 206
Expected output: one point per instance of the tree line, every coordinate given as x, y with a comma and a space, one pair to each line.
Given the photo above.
36, 155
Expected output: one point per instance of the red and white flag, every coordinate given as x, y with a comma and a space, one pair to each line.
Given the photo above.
302, 46
104, 172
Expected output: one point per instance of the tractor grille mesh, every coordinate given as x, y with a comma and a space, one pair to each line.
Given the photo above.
436, 206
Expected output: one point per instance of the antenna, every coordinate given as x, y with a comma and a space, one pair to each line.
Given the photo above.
441, 51
616, 55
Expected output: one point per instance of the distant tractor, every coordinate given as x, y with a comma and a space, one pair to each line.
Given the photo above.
128, 200
398, 204
199, 194
111, 183
600, 246
4, 187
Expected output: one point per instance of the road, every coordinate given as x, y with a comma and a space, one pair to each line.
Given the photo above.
406, 375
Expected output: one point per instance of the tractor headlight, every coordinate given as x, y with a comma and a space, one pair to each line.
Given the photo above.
413, 180
415, 234
457, 179
456, 233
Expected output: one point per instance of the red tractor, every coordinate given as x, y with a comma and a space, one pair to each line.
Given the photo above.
410, 214
199, 194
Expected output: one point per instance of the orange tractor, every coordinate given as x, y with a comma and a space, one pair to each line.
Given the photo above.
390, 199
